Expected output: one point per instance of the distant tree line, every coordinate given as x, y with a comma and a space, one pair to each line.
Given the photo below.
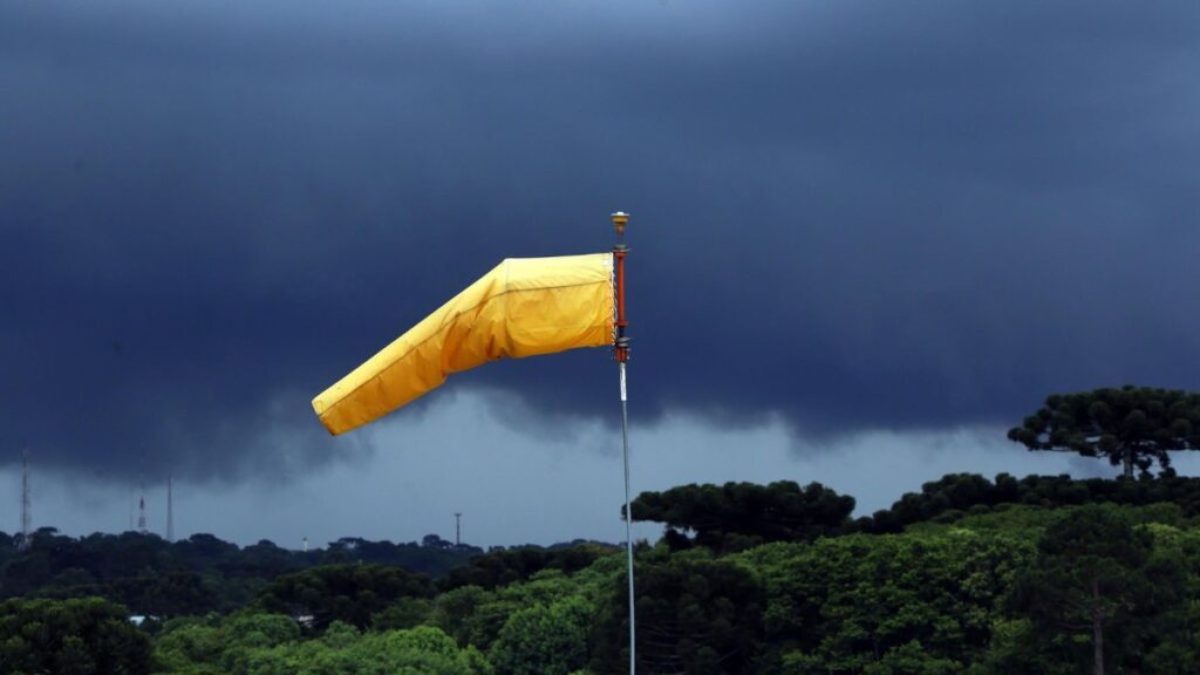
192, 576
505, 566
737, 516
955, 494
1042, 575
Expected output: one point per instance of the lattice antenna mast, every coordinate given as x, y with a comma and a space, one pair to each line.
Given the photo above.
458, 528
170, 512
26, 504
141, 525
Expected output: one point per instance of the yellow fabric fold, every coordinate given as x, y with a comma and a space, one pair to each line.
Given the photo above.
523, 307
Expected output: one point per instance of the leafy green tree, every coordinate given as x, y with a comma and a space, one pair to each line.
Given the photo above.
695, 614
71, 637
403, 613
545, 639
189, 646
265, 644
244, 634
458, 612
350, 593
1096, 586
475, 616
737, 516
417, 651
1132, 426
421, 650
503, 567
847, 604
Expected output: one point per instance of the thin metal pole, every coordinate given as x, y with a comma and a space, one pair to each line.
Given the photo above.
628, 519
621, 352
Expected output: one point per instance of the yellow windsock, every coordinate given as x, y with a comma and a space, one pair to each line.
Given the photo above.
523, 307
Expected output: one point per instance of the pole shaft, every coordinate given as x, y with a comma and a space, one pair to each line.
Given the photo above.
621, 354
628, 520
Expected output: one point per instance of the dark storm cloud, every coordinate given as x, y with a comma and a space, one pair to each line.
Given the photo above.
859, 215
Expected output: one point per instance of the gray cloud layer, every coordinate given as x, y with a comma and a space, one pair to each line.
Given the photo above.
513, 489
855, 215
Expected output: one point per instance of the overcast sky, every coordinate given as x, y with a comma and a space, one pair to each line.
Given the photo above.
868, 237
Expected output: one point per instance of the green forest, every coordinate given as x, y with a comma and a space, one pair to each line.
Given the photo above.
1041, 574
968, 575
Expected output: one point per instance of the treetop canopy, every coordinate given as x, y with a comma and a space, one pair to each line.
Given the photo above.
1135, 425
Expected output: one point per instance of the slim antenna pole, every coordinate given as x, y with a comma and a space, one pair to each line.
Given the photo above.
458, 528
621, 354
141, 524
170, 512
26, 505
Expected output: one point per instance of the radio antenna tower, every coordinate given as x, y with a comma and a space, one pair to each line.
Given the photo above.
142, 510
170, 512
26, 505
458, 528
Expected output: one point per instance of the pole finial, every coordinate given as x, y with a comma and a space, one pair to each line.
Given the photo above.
620, 219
